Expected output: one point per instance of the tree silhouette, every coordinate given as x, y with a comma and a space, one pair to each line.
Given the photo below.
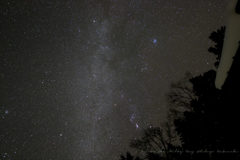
157, 141
218, 38
180, 96
204, 117
128, 157
201, 118
212, 119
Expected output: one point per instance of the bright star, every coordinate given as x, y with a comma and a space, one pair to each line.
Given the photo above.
136, 125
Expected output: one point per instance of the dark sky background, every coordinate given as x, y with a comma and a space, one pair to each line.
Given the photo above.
79, 79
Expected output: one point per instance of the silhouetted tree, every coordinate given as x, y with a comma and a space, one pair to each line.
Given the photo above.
204, 117
153, 156
218, 38
180, 96
157, 141
211, 121
194, 128
128, 157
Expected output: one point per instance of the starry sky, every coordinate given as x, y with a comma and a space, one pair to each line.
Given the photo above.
79, 79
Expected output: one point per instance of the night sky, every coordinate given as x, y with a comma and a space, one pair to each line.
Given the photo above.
79, 79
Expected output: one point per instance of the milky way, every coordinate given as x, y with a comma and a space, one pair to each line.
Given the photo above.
79, 79
107, 108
